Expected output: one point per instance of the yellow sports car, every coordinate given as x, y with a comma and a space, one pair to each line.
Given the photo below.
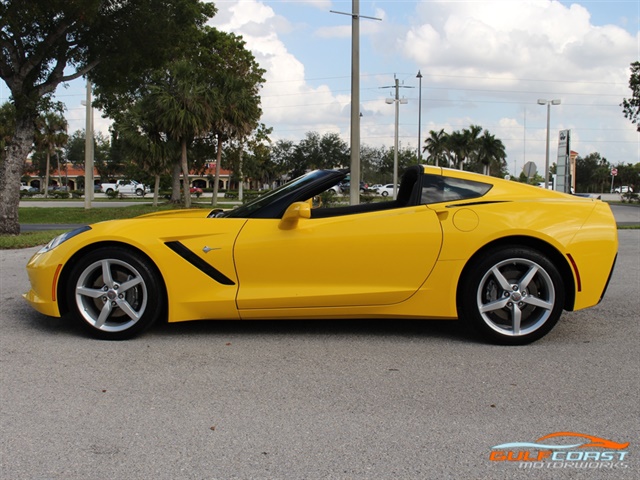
504, 257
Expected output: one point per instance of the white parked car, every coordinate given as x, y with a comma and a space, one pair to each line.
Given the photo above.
623, 189
125, 187
386, 190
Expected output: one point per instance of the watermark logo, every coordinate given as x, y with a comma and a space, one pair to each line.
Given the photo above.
576, 451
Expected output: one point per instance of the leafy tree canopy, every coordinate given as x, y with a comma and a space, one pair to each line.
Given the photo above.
631, 106
44, 43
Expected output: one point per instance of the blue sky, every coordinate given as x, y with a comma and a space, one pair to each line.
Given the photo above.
483, 62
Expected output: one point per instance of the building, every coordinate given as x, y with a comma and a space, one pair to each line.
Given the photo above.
69, 176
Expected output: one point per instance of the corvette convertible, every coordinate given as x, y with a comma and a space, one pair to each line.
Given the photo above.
503, 257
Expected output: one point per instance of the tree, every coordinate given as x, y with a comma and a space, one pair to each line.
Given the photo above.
491, 152
631, 106
436, 147
236, 80
593, 174
44, 43
140, 138
370, 163
334, 152
471, 138
483, 153
257, 164
51, 134
7, 127
282, 155
457, 148
185, 109
406, 158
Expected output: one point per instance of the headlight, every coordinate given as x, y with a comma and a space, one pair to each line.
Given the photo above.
63, 238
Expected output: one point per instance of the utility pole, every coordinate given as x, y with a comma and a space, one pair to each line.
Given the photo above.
397, 101
88, 151
354, 190
419, 77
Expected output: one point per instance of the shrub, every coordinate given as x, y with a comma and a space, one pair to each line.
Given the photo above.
59, 194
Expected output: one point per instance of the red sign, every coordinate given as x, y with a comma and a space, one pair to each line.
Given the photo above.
614, 172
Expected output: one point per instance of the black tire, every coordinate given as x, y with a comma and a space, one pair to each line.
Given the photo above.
385, 194
140, 192
109, 191
121, 306
511, 296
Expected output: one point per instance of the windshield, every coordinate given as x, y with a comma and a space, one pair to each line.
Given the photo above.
262, 201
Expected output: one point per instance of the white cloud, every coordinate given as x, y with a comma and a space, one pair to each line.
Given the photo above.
285, 95
483, 63
534, 39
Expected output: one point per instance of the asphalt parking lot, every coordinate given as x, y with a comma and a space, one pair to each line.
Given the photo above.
315, 400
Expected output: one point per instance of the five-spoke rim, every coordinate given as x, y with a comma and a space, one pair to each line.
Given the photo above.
111, 295
516, 297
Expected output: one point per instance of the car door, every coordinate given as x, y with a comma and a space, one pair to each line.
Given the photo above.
328, 262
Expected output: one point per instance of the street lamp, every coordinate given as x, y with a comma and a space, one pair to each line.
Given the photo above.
548, 103
419, 77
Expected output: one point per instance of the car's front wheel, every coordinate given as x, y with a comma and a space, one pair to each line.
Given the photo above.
511, 296
114, 294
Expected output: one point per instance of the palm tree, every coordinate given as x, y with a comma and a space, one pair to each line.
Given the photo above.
490, 151
457, 148
184, 109
240, 104
471, 140
436, 146
51, 134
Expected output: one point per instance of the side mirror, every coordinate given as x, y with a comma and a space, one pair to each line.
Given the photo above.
293, 214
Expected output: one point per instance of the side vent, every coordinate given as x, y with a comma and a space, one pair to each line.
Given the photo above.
200, 264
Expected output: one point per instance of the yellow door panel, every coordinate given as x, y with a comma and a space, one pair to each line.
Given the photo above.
375, 258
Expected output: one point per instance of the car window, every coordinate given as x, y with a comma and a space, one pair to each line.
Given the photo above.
272, 197
436, 188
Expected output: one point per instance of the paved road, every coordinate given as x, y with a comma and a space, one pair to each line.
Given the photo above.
626, 214
313, 400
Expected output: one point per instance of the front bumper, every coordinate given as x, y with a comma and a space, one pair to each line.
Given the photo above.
43, 275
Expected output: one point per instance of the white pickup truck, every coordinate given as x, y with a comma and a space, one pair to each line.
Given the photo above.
125, 187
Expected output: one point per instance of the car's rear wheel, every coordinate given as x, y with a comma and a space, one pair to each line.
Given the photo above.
385, 193
511, 296
109, 191
139, 192
114, 294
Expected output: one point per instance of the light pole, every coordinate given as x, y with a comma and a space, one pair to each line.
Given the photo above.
419, 77
88, 151
548, 103
397, 100
354, 192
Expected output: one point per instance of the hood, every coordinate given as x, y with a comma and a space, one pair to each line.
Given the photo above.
191, 213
